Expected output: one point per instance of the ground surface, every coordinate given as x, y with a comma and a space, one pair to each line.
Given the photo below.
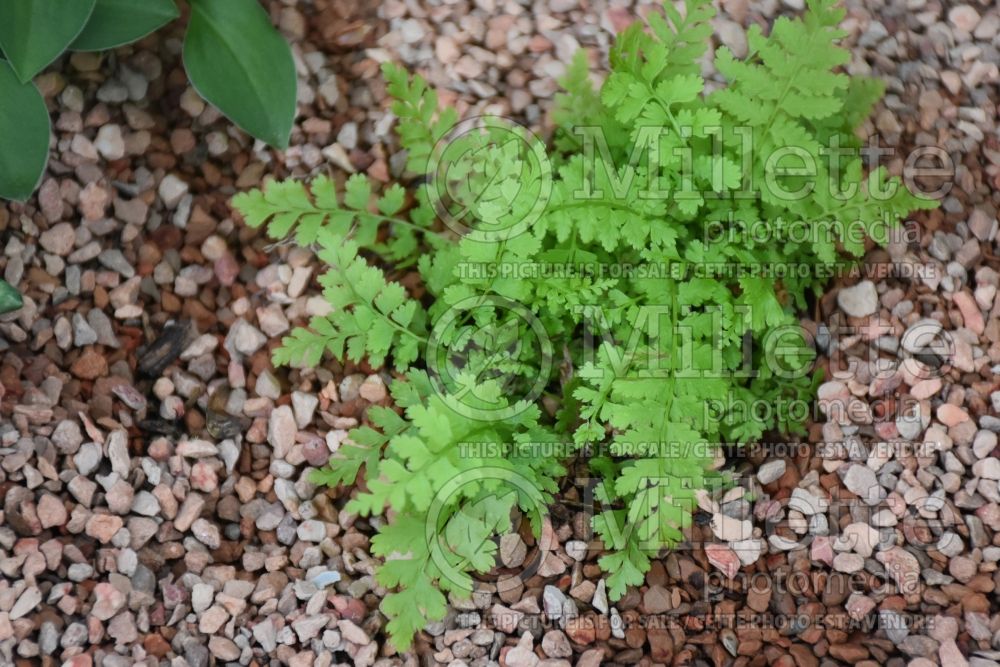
156, 505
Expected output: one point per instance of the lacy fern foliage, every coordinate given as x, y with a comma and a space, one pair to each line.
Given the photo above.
634, 351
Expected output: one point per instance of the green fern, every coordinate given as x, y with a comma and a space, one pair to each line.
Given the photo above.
289, 206
627, 360
371, 318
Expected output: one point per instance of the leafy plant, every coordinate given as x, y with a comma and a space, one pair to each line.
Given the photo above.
234, 57
10, 298
638, 361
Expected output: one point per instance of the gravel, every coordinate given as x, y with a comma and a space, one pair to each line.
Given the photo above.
157, 506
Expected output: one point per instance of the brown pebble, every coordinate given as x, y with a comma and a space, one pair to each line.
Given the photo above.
90, 365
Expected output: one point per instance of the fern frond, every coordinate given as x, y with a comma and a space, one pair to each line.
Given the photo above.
372, 318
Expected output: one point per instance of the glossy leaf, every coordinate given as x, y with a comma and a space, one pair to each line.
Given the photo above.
10, 298
237, 61
34, 32
24, 135
117, 22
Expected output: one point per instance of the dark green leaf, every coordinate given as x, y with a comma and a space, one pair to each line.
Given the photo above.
34, 32
10, 298
117, 22
24, 135
238, 62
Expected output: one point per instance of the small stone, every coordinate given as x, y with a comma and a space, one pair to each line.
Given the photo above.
782, 543
770, 471
67, 437
373, 389
108, 601
858, 537
861, 481
207, 533
51, 511
556, 645
58, 239
504, 619
223, 649
962, 568
196, 449
304, 406
133, 211
971, 315
512, 550
118, 453
189, 510
82, 489
728, 529
554, 603
202, 596
26, 603
848, 562
89, 366
919, 646
327, 578
352, 633
859, 606
201, 345
112, 258
860, 300
951, 415
909, 427
266, 635
172, 190
950, 655
244, 338
50, 200
724, 559
311, 531
102, 527
902, 567
522, 655
83, 333
281, 431
203, 477
212, 619
748, 551
821, 550
109, 142
581, 630
806, 502
576, 549
600, 599
964, 18
308, 627
981, 225
656, 600
267, 385
94, 201
87, 458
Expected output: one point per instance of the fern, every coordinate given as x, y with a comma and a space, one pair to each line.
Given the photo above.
371, 318
421, 124
288, 206
411, 464
641, 169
